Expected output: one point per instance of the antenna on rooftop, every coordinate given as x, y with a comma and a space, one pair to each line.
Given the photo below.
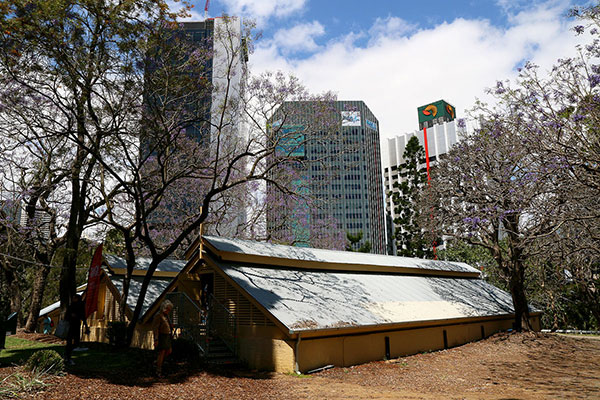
206, 9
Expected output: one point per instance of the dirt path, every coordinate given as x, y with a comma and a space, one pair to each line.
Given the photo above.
508, 366
523, 366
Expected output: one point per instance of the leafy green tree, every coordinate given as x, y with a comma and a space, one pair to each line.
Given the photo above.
354, 241
71, 82
475, 256
411, 241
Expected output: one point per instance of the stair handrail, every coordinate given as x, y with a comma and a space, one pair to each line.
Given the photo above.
184, 294
227, 333
201, 339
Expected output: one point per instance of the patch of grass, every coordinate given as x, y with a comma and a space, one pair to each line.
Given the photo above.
301, 376
104, 358
99, 358
18, 350
16, 384
580, 335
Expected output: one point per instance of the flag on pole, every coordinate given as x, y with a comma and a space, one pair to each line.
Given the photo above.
91, 297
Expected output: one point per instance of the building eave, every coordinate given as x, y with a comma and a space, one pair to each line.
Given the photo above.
395, 326
329, 266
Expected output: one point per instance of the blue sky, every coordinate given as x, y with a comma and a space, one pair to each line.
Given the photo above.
339, 17
397, 55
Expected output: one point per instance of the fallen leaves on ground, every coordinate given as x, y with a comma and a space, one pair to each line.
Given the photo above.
515, 365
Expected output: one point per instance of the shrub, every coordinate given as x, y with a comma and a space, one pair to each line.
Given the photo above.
46, 361
117, 333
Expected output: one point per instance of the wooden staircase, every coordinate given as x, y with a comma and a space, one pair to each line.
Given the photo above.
214, 335
218, 353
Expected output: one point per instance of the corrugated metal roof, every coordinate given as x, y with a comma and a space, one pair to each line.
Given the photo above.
142, 263
155, 289
307, 300
331, 256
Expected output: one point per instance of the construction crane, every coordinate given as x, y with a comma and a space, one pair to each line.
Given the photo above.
206, 9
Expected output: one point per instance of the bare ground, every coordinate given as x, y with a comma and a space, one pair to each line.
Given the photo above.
504, 366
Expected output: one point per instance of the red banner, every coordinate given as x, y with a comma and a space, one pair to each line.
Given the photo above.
91, 297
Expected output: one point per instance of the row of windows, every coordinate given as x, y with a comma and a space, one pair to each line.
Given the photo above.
354, 216
353, 177
355, 225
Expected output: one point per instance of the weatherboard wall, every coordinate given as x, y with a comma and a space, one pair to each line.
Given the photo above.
292, 314
348, 350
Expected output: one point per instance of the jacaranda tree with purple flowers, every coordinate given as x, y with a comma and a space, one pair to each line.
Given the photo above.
182, 167
525, 185
67, 73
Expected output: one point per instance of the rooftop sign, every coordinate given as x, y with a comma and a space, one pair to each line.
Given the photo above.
438, 109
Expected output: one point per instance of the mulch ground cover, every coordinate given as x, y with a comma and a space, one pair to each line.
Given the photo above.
516, 365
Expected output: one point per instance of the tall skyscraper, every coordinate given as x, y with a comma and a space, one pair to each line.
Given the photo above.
15, 213
210, 54
227, 69
225, 63
342, 172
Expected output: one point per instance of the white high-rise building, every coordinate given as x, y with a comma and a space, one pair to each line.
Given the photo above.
442, 135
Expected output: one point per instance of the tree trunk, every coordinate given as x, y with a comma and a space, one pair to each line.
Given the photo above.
37, 295
517, 291
590, 297
130, 260
140, 301
15, 294
67, 284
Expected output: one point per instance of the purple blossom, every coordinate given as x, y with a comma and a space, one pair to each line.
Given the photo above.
579, 29
500, 88
461, 123
594, 80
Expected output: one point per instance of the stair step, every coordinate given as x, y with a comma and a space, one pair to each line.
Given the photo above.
219, 354
223, 361
212, 346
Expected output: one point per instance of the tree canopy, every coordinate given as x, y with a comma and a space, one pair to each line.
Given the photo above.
522, 185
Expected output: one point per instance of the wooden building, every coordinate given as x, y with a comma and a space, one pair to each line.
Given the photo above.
289, 309
109, 294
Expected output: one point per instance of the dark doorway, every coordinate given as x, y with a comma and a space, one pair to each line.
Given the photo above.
207, 287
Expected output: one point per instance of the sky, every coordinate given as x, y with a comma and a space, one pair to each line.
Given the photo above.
397, 55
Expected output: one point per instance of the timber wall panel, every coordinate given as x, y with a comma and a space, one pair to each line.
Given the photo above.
357, 349
246, 313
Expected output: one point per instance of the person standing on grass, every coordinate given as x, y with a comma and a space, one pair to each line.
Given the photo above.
75, 314
162, 334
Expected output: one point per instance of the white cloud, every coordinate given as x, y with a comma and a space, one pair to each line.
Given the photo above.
193, 14
298, 38
401, 69
391, 27
261, 10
